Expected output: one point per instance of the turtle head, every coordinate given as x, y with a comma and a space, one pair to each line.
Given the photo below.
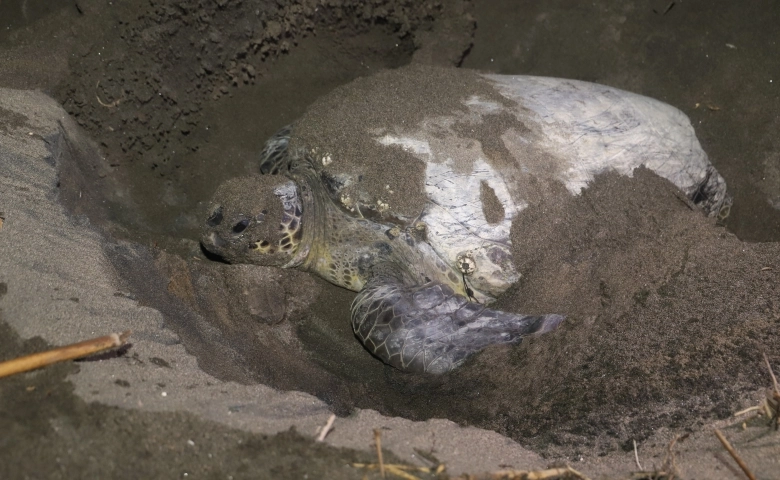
255, 219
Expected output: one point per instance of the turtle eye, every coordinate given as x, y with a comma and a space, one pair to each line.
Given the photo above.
216, 217
240, 226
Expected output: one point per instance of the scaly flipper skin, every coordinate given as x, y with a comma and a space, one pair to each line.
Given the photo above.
429, 328
274, 158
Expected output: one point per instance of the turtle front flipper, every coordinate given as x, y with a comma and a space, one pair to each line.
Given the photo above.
275, 158
431, 329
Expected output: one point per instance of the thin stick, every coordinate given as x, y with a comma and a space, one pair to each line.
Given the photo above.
538, 474
670, 465
748, 410
326, 428
69, 352
400, 473
398, 466
108, 105
767, 409
772, 402
636, 457
378, 443
771, 373
734, 455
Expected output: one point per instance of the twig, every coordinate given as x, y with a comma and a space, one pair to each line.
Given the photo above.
770, 406
636, 457
400, 469
108, 105
670, 464
734, 455
401, 466
771, 374
326, 428
772, 402
396, 469
773, 405
748, 410
400, 473
767, 408
69, 352
665, 11
538, 474
378, 443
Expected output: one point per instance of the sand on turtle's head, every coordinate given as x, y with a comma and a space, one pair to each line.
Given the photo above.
254, 219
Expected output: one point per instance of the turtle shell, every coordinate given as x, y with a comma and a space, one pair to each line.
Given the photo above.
466, 152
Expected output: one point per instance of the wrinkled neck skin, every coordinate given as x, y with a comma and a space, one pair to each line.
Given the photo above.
348, 251
313, 208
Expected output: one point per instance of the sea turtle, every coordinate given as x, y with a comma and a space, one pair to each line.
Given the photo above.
403, 187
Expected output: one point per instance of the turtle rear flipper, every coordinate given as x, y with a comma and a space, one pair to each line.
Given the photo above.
274, 158
431, 329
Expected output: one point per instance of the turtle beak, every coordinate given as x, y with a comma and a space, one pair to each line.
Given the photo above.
216, 240
213, 242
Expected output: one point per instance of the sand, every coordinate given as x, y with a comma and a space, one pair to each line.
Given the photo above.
669, 312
